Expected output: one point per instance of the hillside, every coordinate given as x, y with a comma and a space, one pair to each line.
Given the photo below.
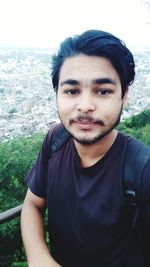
27, 99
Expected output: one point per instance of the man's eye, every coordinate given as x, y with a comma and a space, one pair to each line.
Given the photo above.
103, 92
71, 91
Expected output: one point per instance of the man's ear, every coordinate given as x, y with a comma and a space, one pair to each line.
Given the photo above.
125, 97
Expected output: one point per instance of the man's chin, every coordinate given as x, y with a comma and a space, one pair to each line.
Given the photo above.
88, 140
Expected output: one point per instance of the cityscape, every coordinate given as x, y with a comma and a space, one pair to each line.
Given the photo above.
27, 99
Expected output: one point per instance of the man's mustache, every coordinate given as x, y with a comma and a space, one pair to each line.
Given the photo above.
87, 119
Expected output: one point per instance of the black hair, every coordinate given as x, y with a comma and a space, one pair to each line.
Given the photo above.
96, 43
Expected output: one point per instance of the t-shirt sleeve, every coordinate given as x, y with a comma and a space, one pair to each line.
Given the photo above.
37, 176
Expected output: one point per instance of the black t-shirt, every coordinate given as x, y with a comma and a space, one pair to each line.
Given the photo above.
89, 220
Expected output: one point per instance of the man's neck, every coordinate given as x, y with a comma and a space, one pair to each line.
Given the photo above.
91, 153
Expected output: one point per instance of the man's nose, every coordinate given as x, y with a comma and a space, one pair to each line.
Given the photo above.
86, 104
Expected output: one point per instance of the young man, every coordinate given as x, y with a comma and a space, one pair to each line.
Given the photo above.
90, 222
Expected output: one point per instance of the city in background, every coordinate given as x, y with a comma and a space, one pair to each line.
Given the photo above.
27, 99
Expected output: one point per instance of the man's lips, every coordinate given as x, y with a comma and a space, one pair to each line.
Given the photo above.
87, 123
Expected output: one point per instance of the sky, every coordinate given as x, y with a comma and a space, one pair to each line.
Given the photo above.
45, 23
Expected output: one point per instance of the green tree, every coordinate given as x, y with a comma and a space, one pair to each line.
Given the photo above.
138, 126
16, 158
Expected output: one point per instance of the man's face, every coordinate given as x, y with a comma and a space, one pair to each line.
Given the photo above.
89, 97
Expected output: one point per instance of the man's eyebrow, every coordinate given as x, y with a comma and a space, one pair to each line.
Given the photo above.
69, 82
104, 81
95, 81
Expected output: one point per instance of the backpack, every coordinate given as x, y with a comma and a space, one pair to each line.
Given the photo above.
137, 157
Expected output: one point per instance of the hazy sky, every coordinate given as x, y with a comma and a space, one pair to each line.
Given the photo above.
45, 23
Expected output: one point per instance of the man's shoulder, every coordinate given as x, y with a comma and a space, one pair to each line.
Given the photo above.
137, 157
55, 127
51, 133
137, 154
135, 143
57, 137
137, 167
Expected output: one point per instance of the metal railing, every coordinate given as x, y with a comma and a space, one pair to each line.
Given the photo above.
10, 214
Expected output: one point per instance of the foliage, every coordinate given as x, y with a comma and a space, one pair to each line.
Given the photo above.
139, 120
16, 158
138, 126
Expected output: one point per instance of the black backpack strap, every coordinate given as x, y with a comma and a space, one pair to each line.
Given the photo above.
60, 138
137, 156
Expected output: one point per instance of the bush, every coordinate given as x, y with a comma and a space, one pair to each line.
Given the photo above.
138, 126
16, 158
138, 121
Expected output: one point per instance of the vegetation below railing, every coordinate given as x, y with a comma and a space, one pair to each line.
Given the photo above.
16, 158
6, 216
